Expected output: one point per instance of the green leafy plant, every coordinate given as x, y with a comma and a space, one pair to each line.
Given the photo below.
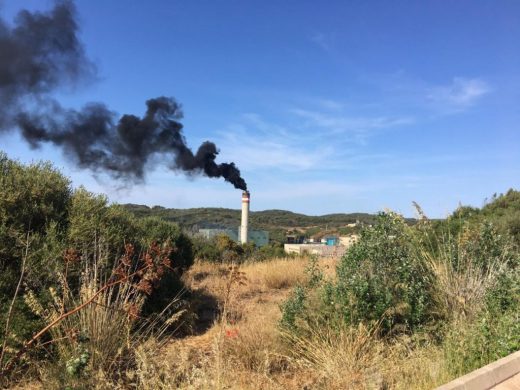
379, 279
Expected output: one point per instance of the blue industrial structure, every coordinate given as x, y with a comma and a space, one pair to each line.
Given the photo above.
331, 240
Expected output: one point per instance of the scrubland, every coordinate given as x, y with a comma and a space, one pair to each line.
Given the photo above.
245, 347
92, 297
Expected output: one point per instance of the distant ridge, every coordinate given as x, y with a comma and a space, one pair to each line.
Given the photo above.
266, 219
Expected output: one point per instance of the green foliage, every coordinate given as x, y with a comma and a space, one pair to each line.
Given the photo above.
379, 279
98, 230
34, 205
492, 335
223, 249
504, 296
154, 229
293, 308
76, 365
205, 249
502, 210
41, 217
305, 305
457, 280
270, 251
34, 199
31, 196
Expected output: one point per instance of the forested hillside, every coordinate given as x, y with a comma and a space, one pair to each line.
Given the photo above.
267, 219
277, 222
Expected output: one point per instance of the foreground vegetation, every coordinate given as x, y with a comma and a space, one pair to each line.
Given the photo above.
77, 273
93, 297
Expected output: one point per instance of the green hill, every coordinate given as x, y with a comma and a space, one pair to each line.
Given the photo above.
277, 222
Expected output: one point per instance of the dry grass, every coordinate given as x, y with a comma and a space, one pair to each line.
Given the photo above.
247, 350
408, 366
276, 273
96, 329
244, 348
349, 358
259, 276
461, 281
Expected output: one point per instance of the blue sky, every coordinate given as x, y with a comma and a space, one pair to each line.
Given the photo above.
337, 107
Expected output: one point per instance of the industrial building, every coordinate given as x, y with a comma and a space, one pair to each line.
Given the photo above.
328, 246
242, 234
258, 237
321, 250
208, 234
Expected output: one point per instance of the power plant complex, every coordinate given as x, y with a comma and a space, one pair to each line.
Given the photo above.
242, 234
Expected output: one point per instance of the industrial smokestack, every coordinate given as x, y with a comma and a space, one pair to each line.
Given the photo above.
246, 197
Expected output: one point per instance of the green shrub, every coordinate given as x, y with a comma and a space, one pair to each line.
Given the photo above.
465, 264
205, 249
41, 218
99, 230
34, 205
491, 336
380, 279
293, 308
32, 196
154, 229
220, 248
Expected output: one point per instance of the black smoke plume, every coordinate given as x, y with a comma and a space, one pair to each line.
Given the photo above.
42, 53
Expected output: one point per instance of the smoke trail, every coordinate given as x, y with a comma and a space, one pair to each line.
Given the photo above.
40, 54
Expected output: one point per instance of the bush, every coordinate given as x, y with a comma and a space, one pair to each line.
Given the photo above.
44, 222
32, 196
155, 230
205, 250
98, 230
469, 346
220, 248
34, 206
101, 337
380, 279
466, 264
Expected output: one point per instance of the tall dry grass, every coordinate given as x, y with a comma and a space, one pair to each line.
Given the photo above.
462, 274
345, 358
97, 327
276, 273
409, 365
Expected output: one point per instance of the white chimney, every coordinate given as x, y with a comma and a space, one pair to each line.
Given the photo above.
245, 216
